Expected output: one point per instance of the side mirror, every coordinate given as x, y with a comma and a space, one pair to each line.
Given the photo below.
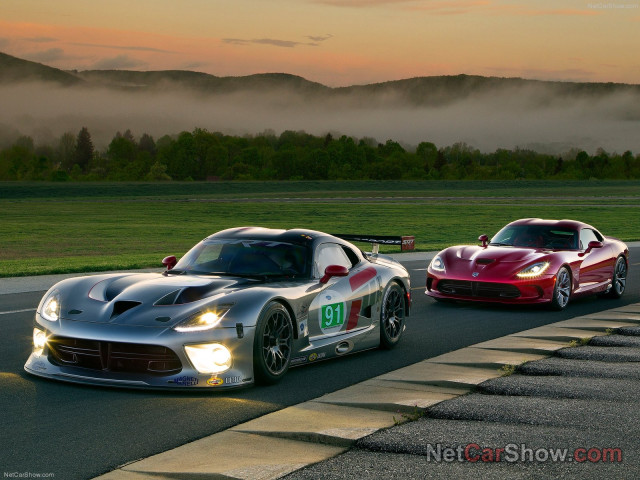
334, 271
593, 244
484, 239
169, 261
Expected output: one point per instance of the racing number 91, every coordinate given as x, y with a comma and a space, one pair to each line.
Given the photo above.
332, 315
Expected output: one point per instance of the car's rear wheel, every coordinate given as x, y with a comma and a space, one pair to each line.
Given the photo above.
392, 316
619, 282
561, 290
272, 344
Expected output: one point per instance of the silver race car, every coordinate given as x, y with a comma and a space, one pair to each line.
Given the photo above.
242, 306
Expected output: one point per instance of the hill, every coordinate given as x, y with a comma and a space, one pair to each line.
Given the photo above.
435, 90
16, 70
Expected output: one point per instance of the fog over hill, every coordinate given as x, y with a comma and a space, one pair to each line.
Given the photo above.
485, 112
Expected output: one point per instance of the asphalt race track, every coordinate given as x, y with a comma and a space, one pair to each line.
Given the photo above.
78, 432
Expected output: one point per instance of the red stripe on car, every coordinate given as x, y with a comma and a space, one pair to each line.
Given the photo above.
354, 313
362, 277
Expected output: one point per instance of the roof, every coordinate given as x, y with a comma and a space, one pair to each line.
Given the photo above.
297, 235
568, 224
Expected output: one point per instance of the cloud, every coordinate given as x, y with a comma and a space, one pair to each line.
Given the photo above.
573, 74
276, 43
527, 11
529, 116
118, 62
360, 3
41, 39
124, 47
457, 7
267, 41
50, 55
320, 38
450, 8
194, 65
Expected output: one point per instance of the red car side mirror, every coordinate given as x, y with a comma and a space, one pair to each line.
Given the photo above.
593, 244
334, 271
484, 239
169, 261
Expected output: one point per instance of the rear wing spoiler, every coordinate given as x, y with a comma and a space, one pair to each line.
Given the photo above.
406, 242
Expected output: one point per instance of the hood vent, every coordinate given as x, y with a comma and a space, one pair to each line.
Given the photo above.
123, 306
485, 261
168, 299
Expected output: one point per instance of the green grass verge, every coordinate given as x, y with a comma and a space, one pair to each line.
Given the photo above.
127, 226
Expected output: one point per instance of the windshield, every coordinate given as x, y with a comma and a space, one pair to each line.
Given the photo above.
536, 236
245, 258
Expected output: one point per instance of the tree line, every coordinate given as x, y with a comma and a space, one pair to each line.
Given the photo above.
202, 155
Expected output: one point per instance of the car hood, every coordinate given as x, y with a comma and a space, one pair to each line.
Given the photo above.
503, 262
147, 299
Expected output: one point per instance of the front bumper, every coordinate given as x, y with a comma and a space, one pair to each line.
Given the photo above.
94, 355
530, 291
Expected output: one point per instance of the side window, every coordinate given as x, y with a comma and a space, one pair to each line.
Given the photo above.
353, 257
587, 235
329, 254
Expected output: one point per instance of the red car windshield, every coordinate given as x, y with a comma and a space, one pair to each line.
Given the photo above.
536, 236
261, 258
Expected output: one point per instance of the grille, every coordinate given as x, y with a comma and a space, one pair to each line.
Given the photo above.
478, 289
152, 360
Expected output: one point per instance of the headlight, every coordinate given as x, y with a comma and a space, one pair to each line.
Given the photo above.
437, 264
533, 270
203, 320
209, 358
51, 308
39, 339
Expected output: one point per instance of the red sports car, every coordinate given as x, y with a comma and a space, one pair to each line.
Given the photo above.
532, 261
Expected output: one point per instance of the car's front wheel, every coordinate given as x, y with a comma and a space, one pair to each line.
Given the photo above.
392, 316
272, 344
619, 282
561, 290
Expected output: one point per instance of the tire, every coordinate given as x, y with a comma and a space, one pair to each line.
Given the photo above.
619, 282
561, 290
272, 344
392, 316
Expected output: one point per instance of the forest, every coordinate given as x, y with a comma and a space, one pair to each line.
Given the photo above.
201, 155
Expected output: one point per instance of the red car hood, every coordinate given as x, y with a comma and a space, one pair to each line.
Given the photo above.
491, 263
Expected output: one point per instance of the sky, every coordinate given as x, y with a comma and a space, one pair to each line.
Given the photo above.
334, 42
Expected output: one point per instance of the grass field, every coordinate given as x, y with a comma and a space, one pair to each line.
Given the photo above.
56, 228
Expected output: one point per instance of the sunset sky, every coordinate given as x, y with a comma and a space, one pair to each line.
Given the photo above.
333, 42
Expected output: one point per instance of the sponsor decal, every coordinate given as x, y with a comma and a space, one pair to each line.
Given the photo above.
354, 313
215, 381
232, 379
332, 311
332, 315
317, 356
185, 381
475, 274
298, 360
302, 325
360, 278
408, 243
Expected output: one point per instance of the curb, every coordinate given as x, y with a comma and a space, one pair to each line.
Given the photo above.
287, 440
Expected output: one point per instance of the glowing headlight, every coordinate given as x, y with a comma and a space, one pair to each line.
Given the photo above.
203, 320
533, 270
51, 308
437, 264
209, 358
39, 339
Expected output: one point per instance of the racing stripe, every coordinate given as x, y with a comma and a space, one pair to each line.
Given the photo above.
362, 277
354, 313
